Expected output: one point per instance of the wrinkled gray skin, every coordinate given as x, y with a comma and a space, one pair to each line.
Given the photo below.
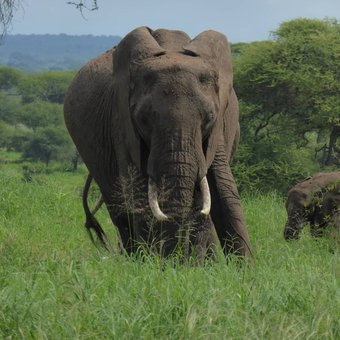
164, 104
315, 201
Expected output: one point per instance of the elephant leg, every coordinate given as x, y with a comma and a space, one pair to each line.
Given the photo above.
335, 221
316, 230
166, 239
326, 216
127, 242
298, 215
158, 237
226, 210
294, 226
203, 239
211, 240
149, 235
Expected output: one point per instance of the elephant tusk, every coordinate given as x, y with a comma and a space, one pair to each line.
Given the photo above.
153, 202
204, 186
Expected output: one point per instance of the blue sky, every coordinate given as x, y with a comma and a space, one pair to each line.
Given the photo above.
240, 20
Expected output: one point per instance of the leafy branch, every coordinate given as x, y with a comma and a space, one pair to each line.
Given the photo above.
8, 8
7, 11
81, 5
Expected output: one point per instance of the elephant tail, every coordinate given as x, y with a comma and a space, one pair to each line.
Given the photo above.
91, 222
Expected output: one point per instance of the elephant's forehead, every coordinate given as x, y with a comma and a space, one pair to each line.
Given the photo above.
175, 62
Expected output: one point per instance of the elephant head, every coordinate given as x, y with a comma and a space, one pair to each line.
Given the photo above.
314, 201
172, 94
164, 104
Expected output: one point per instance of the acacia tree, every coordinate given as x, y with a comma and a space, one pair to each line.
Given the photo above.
46, 144
47, 86
290, 85
9, 77
312, 56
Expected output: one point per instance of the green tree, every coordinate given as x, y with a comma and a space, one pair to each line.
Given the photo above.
45, 86
40, 114
9, 77
9, 108
290, 86
46, 144
6, 131
17, 138
311, 51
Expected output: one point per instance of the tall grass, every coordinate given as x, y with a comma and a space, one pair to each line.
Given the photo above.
54, 284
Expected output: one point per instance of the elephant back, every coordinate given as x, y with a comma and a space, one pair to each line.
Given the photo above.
87, 85
87, 104
320, 181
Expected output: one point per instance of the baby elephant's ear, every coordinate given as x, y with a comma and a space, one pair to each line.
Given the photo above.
214, 48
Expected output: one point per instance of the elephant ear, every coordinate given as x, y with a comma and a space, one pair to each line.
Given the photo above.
213, 48
135, 47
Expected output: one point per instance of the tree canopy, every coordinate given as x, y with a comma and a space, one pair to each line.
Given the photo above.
31, 119
289, 87
46, 86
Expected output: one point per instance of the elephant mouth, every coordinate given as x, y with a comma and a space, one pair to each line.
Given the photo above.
161, 216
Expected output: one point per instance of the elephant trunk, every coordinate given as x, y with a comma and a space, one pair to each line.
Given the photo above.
175, 177
158, 213
292, 231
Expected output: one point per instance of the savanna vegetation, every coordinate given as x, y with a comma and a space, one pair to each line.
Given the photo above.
290, 109
31, 120
289, 91
55, 284
52, 52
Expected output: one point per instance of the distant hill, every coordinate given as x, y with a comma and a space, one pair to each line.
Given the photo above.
34, 52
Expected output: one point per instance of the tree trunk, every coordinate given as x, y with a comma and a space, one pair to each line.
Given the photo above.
333, 153
75, 160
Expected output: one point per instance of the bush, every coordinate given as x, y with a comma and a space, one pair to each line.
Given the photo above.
31, 172
46, 144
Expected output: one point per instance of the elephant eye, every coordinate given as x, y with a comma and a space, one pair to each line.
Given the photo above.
142, 124
144, 120
132, 106
144, 115
209, 80
204, 78
207, 124
209, 118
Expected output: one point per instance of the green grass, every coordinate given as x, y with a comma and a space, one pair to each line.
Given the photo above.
55, 284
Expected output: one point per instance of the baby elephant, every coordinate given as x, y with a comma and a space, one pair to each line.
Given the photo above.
316, 201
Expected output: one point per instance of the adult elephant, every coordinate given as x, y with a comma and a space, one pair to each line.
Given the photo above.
315, 201
164, 105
